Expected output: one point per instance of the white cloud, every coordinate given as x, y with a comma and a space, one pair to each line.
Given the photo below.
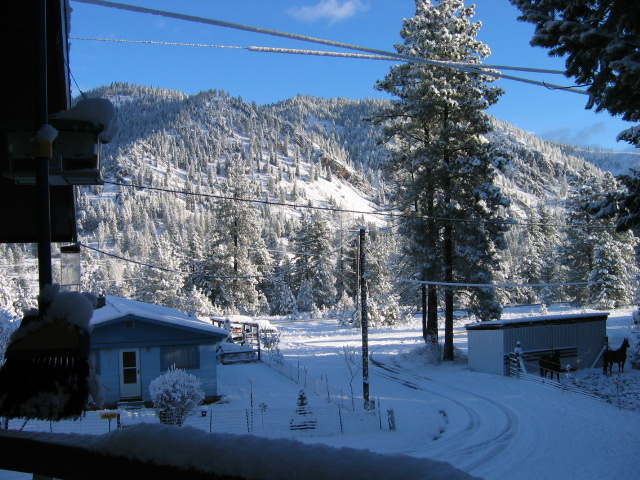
332, 10
585, 136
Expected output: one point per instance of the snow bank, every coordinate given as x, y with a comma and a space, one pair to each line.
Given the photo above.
248, 456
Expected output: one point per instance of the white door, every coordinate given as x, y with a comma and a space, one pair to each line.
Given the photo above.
130, 373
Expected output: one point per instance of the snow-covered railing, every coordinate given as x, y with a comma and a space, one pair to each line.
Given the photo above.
239, 356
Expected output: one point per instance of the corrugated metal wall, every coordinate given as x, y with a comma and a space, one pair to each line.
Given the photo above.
590, 339
486, 351
487, 346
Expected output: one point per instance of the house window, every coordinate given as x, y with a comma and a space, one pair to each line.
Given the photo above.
182, 356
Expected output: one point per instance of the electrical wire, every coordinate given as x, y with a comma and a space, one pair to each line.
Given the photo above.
467, 67
297, 206
152, 42
497, 285
319, 53
169, 270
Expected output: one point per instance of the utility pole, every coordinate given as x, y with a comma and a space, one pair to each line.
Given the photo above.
364, 321
43, 154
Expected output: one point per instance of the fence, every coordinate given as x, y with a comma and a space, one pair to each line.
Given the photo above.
319, 386
265, 421
343, 413
519, 368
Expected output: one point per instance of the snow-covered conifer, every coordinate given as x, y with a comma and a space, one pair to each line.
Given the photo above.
443, 166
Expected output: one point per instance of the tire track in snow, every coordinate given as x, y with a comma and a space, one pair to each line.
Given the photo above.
478, 447
472, 422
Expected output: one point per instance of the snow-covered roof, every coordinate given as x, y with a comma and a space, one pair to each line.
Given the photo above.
117, 307
548, 319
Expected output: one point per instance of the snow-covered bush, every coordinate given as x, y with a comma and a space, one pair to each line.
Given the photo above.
175, 394
270, 339
7, 326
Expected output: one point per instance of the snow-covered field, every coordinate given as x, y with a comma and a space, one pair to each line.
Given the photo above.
492, 427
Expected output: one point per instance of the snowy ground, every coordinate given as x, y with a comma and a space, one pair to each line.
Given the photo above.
492, 427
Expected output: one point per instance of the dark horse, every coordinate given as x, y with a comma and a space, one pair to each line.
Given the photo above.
550, 364
618, 356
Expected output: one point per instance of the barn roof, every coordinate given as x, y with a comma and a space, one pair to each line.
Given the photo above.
116, 308
540, 320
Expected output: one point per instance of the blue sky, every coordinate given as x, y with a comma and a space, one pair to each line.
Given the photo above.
267, 77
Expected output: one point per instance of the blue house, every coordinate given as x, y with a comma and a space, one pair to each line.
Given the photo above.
132, 343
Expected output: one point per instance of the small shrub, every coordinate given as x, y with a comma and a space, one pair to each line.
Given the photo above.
175, 394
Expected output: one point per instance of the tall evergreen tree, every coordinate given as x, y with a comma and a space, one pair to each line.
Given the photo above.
588, 252
615, 270
313, 263
537, 259
443, 166
582, 232
237, 255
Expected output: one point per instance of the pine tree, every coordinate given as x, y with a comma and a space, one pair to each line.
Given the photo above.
591, 253
537, 259
582, 232
615, 271
443, 167
237, 256
383, 300
599, 39
313, 264
304, 300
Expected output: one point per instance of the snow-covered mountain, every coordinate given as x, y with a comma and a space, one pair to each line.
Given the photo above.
288, 148
205, 154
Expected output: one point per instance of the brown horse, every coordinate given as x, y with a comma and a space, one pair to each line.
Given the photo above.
550, 364
618, 356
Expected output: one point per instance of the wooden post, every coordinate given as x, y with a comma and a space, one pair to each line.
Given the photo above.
43, 155
364, 320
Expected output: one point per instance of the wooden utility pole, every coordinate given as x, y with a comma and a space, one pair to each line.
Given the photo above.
364, 321
43, 154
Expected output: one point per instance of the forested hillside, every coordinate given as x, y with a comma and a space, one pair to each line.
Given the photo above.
256, 209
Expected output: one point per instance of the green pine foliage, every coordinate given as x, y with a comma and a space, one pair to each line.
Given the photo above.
599, 40
442, 164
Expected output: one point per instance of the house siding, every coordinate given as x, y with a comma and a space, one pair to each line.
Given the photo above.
110, 374
150, 370
148, 337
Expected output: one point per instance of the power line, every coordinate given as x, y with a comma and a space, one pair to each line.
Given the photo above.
169, 270
498, 285
390, 57
152, 42
249, 200
296, 206
467, 67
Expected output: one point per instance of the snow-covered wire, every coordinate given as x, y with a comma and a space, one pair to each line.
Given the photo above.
297, 51
467, 67
497, 285
153, 42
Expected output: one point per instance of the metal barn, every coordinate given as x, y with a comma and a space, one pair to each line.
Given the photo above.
579, 337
